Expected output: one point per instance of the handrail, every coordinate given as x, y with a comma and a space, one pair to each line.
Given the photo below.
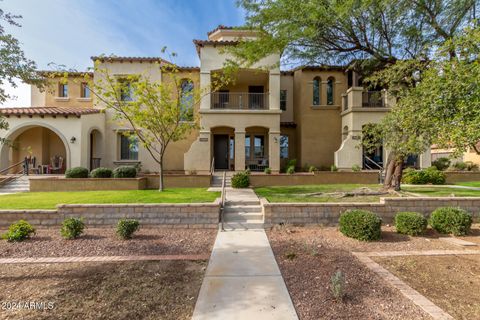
222, 205
12, 166
381, 169
374, 163
212, 167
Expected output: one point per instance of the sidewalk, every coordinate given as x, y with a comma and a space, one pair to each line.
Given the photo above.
243, 280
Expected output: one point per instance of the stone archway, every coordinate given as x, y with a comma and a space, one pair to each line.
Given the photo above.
44, 142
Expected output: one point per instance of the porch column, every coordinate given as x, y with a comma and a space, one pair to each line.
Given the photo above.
205, 83
274, 88
274, 151
239, 149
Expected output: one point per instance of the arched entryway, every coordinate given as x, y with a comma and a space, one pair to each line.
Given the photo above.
46, 148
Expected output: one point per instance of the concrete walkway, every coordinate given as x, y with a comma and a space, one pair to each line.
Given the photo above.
243, 280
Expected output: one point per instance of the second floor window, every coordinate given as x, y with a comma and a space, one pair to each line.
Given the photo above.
316, 91
84, 90
128, 147
283, 100
63, 90
126, 93
330, 91
186, 100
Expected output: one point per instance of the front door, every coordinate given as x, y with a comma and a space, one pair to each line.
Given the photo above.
220, 151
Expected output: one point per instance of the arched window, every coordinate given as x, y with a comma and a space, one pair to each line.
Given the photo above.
186, 100
316, 91
330, 82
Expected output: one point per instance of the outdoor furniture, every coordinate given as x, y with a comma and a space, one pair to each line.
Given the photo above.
56, 164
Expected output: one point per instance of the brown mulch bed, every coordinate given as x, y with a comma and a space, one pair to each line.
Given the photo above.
127, 290
104, 242
451, 282
309, 256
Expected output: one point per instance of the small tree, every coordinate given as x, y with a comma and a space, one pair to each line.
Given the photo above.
158, 112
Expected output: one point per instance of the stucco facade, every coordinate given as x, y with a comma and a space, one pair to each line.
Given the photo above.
263, 118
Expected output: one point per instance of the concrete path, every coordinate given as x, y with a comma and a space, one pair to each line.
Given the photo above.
243, 280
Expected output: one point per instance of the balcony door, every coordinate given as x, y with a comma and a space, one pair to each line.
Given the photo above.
220, 151
256, 97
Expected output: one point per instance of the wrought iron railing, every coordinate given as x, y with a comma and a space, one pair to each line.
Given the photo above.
373, 99
239, 100
258, 164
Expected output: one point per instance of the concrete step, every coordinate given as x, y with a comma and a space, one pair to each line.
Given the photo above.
243, 208
242, 203
245, 217
237, 225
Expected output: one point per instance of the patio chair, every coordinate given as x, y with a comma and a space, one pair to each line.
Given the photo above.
56, 164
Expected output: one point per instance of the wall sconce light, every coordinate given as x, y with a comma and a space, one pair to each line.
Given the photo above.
73, 139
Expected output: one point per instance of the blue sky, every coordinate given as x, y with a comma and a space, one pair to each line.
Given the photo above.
69, 32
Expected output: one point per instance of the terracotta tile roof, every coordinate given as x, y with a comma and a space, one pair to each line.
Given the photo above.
219, 27
48, 111
320, 67
128, 59
61, 72
201, 43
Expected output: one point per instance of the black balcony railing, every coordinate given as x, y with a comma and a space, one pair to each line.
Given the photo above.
373, 99
239, 100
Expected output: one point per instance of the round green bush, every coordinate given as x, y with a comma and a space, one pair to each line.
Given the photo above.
290, 170
76, 172
125, 172
450, 220
441, 163
241, 179
127, 227
72, 228
19, 231
101, 173
360, 224
431, 175
411, 223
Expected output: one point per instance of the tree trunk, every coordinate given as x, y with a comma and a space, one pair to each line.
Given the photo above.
160, 176
393, 172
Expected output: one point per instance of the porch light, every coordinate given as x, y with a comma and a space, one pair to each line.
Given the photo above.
73, 139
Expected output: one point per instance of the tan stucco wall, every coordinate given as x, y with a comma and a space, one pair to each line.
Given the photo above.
50, 96
286, 83
318, 127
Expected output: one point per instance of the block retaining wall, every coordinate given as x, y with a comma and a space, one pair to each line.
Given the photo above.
328, 213
196, 215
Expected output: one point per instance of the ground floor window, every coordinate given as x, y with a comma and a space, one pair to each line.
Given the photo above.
259, 144
128, 147
283, 147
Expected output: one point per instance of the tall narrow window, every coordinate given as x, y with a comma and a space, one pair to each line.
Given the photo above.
283, 100
128, 147
316, 91
63, 90
126, 92
330, 82
186, 100
259, 145
283, 147
85, 90
247, 147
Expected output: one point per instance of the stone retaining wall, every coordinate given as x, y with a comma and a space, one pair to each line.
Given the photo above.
328, 213
462, 176
195, 215
48, 184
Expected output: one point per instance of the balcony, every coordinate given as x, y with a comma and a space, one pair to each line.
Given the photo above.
239, 101
357, 98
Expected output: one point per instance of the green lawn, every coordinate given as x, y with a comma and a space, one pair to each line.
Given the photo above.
49, 200
442, 191
333, 193
316, 193
469, 184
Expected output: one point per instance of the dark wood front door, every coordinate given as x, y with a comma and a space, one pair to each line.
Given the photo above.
220, 151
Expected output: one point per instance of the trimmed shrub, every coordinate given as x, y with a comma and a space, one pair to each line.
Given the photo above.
101, 173
292, 163
267, 171
460, 166
431, 175
360, 224
312, 169
290, 170
72, 228
449, 220
19, 231
333, 168
127, 227
411, 223
441, 163
76, 172
125, 172
356, 168
471, 166
241, 179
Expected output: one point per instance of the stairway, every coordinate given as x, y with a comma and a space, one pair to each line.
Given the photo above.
19, 184
242, 210
217, 180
